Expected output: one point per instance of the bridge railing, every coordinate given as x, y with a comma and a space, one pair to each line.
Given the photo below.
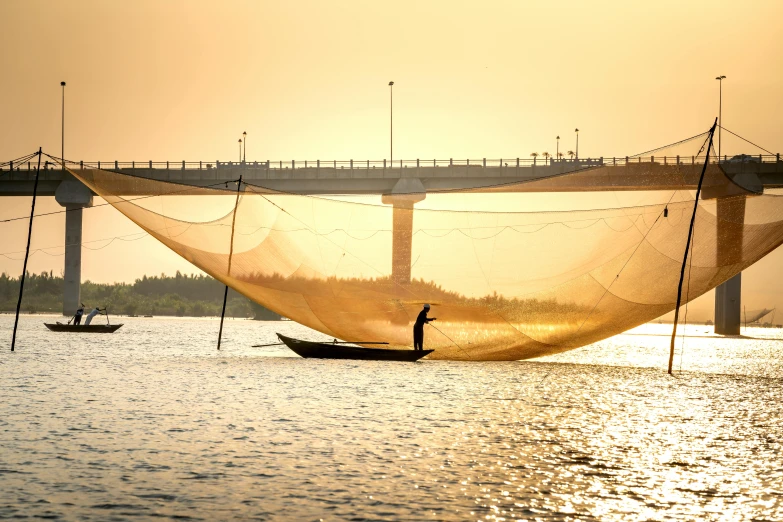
514, 162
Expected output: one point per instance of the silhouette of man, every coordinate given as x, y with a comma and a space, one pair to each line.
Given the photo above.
418, 328
77, 319
95, 311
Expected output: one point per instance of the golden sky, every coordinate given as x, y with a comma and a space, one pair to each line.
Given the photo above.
166, 80
308, 80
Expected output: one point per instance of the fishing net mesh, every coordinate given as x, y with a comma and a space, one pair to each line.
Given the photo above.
517, 270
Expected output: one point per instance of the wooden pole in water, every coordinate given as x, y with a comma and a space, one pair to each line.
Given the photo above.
230, 255
26, 252
688, 245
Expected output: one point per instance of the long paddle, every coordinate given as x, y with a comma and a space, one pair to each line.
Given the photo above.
326, 342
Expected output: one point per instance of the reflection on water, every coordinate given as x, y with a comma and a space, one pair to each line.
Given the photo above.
152, 421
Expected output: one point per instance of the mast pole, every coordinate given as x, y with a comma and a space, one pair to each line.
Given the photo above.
688, 245
26, 252
62, 127
230, 255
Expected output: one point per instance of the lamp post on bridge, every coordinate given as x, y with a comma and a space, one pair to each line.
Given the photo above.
75, 197
728, 295
62, 127
244, 154
720, 110
577, 144
391, 122
557, 152
240, 150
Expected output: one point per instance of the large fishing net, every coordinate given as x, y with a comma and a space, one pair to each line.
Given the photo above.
560, 256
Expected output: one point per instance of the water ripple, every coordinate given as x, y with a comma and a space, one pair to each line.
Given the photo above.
152, 422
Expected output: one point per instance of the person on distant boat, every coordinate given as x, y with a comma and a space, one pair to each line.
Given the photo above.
95, 311
77, 319
418, 328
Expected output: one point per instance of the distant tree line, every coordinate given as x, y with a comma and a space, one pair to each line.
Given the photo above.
180, 295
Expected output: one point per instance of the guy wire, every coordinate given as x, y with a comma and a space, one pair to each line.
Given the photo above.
20, 159
743, 139
667, 146
452, 340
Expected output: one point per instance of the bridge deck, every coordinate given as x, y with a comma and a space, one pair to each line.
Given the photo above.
377, 178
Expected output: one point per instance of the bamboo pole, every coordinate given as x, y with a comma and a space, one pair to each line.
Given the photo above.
688, 246
26, 252
230, 255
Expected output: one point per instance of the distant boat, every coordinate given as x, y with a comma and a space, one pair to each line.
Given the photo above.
83, 328
147, 316
313, 350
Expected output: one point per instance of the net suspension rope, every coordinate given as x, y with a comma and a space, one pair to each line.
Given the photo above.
745, 139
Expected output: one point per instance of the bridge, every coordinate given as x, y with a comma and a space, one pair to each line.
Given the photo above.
402, 183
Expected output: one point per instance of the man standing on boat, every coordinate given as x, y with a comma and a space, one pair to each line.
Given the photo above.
77, 319
95, 311
418, 328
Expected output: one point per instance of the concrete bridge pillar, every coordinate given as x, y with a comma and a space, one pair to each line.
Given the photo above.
728, 296
74, 196
405, 194
728, 300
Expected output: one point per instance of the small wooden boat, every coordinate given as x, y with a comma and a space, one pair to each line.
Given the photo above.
82, 328
313, 350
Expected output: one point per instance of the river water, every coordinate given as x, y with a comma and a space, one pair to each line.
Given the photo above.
153, 422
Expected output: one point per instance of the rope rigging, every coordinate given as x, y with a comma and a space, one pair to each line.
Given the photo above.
746, 140
528, 281
21, 159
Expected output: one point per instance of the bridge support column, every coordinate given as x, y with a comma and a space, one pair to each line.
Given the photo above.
405, 194
728, 296
74, 196
728, 299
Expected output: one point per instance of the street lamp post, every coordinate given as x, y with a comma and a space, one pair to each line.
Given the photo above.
62, 127
557, 152
720, 110
577, 143
391, 122
240, 150
244, 154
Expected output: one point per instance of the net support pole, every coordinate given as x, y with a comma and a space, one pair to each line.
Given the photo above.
26, 252
230, 255
688, 245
